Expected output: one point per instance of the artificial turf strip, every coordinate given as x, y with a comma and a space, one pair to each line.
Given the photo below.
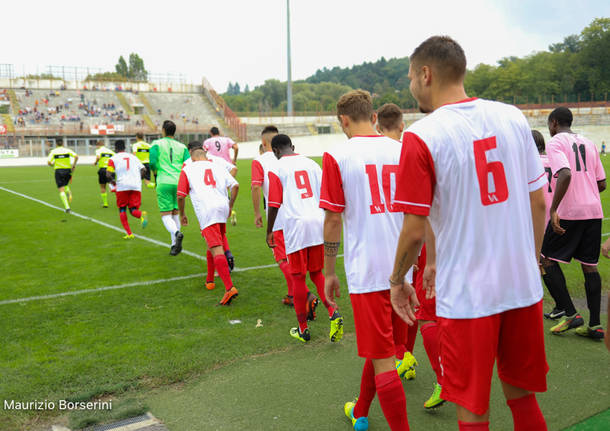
599, 422
125, 342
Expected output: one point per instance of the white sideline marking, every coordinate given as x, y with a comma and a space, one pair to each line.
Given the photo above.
109, 226
606, 234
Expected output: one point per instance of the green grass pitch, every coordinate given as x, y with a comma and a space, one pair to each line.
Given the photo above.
166, 347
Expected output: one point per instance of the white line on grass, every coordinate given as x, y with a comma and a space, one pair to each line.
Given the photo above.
109, 226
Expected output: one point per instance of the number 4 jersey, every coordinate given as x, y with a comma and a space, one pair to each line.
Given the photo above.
207, 183
359, 180
295, 187
470, 166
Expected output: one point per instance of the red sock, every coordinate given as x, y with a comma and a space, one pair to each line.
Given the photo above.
135, 212
429, 333
124, 222
300, 300
392, 399
526, 414
367, 390
220, 262
284, 267
318, 280
473, 426
211, 268
411, 336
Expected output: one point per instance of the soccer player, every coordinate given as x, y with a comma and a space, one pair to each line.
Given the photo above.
166, 159
63, 161
232, 169
128, 172
574, 230
102, 155
295, 187
219, 146
208, 183
141, 149
353, 172
472, 167
261, 166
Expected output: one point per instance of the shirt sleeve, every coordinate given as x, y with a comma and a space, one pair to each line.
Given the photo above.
205, 145
600, 174
186, 154
331, 193
258, 174
536, 176
232, 182
231, 143
557, 158
110, 166
416, 177
51, 158
154, 158
183, 184
276, 191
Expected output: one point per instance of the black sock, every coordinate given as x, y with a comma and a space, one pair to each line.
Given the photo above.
556, 283
593, 288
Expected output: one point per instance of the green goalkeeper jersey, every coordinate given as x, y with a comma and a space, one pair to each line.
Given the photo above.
166, 159
61, 157
142, 151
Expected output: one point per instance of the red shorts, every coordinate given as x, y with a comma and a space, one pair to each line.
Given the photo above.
308, 259
279, 251
378, 328
128, 198
214, 234
469, 348
427, 307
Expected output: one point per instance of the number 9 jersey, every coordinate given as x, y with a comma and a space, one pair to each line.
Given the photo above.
295, 187
359, 180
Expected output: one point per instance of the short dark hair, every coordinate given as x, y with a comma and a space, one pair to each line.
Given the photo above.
562, 115
389, 116
214, 131
445, 54
357, 105
539, 140
59, 142
270, 129
169, 127
281, 141
119, 145
195, 144
140, 135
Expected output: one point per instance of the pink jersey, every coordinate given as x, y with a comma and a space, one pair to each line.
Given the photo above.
470, 166
295, 188
577, 153
550, 187
261, 166
359, 180
127, 169
219, 146
207, 183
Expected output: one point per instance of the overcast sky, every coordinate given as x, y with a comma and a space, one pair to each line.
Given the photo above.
245, 40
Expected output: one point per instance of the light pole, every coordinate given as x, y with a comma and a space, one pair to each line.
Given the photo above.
289, 109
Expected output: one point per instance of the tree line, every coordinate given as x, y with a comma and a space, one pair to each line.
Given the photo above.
576, 69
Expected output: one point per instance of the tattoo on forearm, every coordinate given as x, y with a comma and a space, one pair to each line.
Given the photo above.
401, 268
331, 248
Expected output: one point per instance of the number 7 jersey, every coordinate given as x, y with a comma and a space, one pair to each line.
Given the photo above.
295, 187
359, 180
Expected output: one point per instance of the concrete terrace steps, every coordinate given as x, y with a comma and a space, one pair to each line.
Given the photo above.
8, 122
14, 102
124, 103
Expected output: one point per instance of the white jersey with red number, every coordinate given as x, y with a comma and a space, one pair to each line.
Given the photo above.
359, 180
579, 154
222, 162
295, 187
219, 146
470, 167
127, 169
261, 166
549, 188
207, 183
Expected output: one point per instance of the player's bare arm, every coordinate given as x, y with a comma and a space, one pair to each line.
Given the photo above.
430, 268
183, 218
256, 202
564, 176
75, 161
538, 208
97, 159
272, 215
332, 241
234, 192
402, 294
601, 185
235, 151
233, 171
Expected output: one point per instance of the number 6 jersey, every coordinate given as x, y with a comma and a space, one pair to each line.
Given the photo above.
295, 187
470, 166
359, 180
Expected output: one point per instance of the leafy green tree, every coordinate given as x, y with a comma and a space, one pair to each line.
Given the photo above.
121, 68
